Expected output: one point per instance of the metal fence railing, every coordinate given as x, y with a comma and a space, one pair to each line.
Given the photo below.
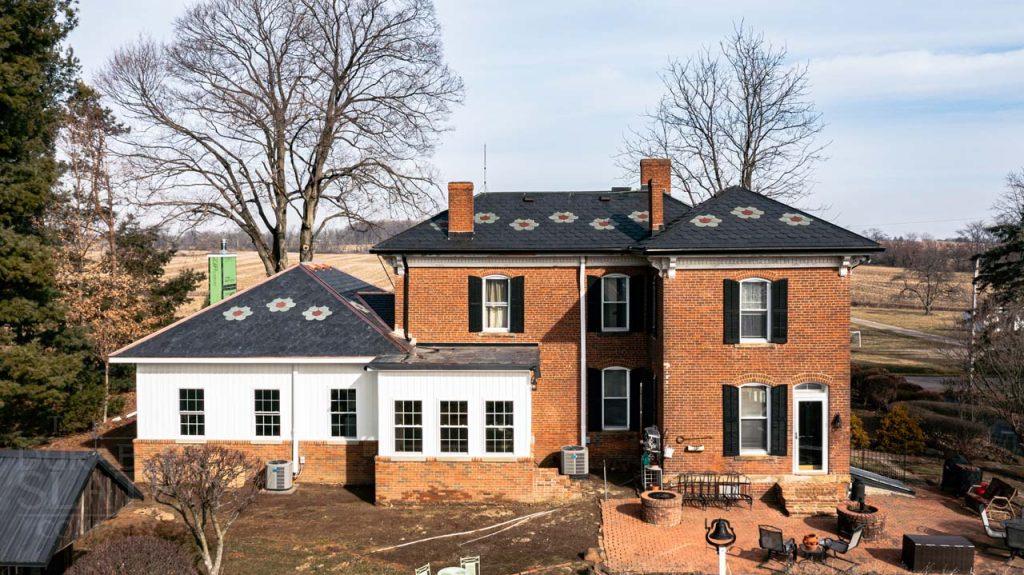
891, 465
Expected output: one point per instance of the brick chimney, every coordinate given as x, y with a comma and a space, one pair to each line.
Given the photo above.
460, 209
656, 174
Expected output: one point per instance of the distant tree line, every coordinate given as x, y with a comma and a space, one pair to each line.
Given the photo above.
332, 240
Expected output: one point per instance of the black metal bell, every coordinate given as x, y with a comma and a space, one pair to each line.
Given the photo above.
720, 533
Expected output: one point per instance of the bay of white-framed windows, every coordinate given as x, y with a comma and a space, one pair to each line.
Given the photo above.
755, 413
343, 413
496, 303
499, 427
268, 412
454, 426
615, 302
409, 426
192, 411
615, 398
755, 303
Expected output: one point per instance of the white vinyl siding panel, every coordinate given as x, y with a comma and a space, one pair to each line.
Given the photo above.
313, 385
474, 387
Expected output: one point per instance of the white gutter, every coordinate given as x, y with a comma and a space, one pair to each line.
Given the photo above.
583, 351
295, 440
247, 360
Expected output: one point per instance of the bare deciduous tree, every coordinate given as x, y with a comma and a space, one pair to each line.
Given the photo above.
928, 277
741, 116
325, 108
209, 486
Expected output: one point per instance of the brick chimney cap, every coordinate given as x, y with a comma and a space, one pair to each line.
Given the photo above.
460, 185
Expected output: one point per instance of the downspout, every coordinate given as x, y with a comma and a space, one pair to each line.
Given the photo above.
583, 351
295, 440
405, 297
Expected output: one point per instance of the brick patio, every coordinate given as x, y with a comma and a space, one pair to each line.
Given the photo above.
632, 546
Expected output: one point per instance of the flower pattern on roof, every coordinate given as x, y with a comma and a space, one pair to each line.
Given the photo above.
602, 224
747, 212
640, 217
281, 304
438, 225
524, 224
486, 218
237, 313
563, 217
706, 221
795, 219
317, 313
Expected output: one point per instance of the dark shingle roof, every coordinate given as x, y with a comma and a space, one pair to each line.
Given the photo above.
319, 315
456, 357
38, 490
763, 230
767, 226
576, 233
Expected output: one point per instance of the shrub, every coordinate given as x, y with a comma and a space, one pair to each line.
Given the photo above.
900, 432
873, 387
858, 436
139, 555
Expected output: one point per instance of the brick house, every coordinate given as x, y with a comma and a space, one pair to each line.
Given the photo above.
523, 322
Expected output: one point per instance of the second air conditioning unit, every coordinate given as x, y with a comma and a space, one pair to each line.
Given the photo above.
575, 460
279, 475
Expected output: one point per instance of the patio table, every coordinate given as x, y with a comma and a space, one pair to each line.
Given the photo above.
452, 571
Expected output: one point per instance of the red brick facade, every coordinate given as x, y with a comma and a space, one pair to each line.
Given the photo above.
451, 481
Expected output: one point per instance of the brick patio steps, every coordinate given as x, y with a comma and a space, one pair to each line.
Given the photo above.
805, 498
548, 484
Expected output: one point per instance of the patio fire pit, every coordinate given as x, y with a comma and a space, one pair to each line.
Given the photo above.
853, 515
661, 508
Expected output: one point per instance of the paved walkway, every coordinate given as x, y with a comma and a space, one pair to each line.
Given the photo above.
905, 331
632, 546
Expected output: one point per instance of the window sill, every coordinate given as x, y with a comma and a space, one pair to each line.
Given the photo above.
502, 334
266, 441
753, 456
754, 344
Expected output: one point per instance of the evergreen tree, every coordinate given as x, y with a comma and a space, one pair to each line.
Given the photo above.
1002, 267
41, 362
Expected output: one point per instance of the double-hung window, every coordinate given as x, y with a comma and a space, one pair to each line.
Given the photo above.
496, 291
268, 412
343, 413
615, 398
192, 407
754, 305
754, 419
615, 303
454, 426
409, 426
499, 428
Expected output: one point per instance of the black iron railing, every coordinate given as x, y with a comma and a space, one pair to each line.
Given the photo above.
891, 465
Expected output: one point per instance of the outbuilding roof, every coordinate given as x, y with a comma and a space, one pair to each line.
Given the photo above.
38, 490
735, 221
518, 357
306, 311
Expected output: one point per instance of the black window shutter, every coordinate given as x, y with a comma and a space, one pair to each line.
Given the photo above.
731, 311
594, 398
641, 399
780, 311
593, 303
780, 415
652, 305
636, 378
475, 295
730, 420
516, 320
638, 303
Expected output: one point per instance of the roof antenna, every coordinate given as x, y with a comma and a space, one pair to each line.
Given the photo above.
485, 168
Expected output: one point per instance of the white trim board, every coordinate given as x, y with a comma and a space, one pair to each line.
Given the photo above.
245, 360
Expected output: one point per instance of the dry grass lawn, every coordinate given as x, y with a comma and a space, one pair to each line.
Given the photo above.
902, 354
939, 322
874, 286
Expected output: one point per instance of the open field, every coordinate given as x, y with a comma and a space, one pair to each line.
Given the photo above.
874, 286
942, 323
902, 354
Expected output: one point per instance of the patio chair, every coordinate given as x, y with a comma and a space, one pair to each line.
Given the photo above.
839, 547
978, 498
992, 532
425, 570
771, 540
471, 565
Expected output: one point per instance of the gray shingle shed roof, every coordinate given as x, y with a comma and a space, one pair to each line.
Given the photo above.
304, 311
519, 357
735, 221
38, 490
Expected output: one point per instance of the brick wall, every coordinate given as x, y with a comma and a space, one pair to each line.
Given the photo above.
326, 462
697, 363
433, 480
438, 313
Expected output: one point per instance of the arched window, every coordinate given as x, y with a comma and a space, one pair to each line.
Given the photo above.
615, 302
615, 398
754, 418
755, 321
495, 298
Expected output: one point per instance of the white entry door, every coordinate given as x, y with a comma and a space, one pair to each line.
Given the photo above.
810, 429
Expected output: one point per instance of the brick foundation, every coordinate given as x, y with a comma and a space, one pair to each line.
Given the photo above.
453, 481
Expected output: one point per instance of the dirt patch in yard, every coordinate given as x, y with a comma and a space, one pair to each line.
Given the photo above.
325, 529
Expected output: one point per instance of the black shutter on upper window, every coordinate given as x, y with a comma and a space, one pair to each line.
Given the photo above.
780, 417
594, 398
516, 320
593, 296
730, 420
475, 296
638, 303
780, 311
641, 399
731, 311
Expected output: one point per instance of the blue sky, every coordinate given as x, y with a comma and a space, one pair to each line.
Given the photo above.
923, 101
